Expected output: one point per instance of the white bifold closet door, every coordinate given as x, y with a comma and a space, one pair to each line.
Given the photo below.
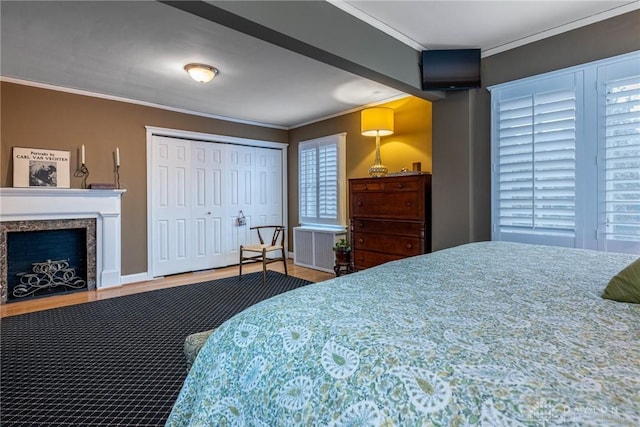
199, 189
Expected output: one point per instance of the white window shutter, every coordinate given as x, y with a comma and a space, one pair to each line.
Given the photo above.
328, 181
308, 182
621, 166
536, 183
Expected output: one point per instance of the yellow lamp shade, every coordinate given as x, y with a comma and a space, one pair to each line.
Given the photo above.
377, 121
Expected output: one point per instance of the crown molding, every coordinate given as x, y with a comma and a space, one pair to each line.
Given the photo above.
193, 113
352, 110
134, 101
357, 13
630, 7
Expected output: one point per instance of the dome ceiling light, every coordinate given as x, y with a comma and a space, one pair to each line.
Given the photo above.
201, 73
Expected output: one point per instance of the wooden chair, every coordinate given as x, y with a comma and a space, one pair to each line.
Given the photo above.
275, 244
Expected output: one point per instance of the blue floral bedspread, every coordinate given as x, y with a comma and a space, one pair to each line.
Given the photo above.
484, 334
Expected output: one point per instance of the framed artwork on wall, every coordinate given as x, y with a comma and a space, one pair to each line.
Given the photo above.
40, 167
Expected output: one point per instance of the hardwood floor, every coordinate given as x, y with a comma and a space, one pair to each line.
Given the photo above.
38, 304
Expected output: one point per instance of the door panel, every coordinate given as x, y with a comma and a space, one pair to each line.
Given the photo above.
170, 204
237, 201
206, 213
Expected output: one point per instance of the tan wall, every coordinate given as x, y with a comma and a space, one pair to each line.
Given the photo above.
39, 118
410, 143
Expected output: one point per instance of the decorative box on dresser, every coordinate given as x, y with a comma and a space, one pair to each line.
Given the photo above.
390, 218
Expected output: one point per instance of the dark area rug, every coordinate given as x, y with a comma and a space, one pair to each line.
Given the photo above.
116, 362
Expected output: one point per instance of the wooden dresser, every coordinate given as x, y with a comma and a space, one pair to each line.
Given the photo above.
390, 218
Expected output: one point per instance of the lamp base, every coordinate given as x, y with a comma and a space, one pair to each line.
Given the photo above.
378, 171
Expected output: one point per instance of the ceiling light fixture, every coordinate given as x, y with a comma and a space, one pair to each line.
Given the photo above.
201, 73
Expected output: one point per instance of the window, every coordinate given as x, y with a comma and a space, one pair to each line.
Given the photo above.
322, 178
566, 157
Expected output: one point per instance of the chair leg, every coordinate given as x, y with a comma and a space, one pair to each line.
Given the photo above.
264, 268
240, 263
284, 260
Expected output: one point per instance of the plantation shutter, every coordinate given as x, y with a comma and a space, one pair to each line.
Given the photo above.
621, 165
308, 182
535, 163
321, 173
565, 152
328, 181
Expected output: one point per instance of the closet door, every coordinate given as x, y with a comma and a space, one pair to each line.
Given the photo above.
255, 190
171, 205
208, 213
198, 190
239, 171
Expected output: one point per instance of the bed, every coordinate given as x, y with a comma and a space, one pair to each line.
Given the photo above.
487, 333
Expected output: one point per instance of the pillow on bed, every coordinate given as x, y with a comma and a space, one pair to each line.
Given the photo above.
625, 286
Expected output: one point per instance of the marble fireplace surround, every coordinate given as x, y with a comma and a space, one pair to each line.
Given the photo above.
55, 208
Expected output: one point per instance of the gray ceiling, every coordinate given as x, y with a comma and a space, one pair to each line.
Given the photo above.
136, 50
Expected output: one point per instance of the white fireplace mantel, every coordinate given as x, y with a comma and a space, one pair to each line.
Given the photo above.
38, 204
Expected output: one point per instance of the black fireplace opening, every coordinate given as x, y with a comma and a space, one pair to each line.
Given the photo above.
45, 262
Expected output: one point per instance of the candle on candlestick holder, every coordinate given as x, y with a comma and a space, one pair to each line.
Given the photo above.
117, 156
82, 171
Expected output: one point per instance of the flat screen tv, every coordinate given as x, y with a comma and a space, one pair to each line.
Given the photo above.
450, 69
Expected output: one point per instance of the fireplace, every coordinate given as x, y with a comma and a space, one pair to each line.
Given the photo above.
48, 257
95, 212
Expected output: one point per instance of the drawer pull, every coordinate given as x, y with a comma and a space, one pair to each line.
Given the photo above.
409, 246
400, 186
359, 203
361, 224
408, 203
361, 240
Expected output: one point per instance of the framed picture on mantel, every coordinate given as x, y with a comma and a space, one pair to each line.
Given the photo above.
41, 167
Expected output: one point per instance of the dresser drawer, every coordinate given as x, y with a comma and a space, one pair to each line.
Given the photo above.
370, 185
366, 259
400, 205
407, 183
363, 225
388, 243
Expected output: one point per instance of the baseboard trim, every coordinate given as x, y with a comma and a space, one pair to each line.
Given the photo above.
134, 278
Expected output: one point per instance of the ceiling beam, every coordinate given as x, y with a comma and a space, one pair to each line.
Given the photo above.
323, 32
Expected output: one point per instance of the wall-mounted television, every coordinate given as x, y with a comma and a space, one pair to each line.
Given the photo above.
450, 69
